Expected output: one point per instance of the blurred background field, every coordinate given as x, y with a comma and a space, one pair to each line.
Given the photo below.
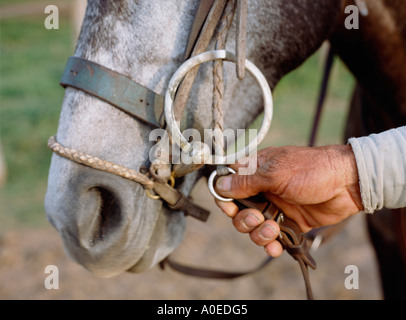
32, 61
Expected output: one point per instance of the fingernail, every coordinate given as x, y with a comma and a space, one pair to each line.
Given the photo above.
224, 183
268, 232
251, 221
269, 253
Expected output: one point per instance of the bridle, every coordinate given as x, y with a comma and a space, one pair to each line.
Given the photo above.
164, 112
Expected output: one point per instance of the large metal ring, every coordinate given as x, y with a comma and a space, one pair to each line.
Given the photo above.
173, 127
210, 183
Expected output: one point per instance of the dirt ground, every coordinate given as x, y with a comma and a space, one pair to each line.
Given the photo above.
24, 254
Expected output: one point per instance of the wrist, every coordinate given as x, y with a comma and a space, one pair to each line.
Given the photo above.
346, 169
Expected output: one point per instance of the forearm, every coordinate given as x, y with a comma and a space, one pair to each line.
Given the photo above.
381, 163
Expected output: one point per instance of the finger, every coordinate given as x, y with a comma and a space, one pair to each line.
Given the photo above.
245, 183
274, 249
267, 232
247, 220
229, 208
237, 187
294, 212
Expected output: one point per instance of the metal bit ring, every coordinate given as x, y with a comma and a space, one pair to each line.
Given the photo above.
210, 183
173, 127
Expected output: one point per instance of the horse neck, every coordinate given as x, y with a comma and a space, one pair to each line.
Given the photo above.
376, 55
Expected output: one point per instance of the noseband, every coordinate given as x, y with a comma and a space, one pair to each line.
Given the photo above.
164, 112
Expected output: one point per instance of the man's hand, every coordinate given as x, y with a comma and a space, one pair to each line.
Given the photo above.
313, 186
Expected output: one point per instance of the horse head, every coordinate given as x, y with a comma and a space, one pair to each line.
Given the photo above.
107, 223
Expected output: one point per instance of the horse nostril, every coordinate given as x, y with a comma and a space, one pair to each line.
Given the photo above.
109, 214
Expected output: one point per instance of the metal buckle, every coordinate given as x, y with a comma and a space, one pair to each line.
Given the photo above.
155, 196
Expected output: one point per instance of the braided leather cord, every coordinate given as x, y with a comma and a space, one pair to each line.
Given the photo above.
99, 164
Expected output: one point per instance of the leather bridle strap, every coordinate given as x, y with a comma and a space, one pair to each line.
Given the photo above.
295, 243
200, 19
198, 45
114, 88
210, 273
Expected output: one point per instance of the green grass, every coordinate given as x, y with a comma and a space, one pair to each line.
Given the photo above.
32, 59
4, 2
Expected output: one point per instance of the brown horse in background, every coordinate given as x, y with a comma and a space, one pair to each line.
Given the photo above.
376, 55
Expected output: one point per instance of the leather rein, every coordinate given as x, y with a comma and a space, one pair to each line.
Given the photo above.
149, 107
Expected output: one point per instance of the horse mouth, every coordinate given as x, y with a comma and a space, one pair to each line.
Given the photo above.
108, 225
109, 216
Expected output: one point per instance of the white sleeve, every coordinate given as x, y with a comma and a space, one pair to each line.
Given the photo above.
381, 162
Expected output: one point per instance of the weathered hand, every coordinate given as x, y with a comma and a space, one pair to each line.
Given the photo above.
313, 186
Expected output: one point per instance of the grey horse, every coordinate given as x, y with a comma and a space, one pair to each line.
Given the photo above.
107, 223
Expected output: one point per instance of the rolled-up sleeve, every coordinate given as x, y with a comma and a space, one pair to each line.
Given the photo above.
381, 162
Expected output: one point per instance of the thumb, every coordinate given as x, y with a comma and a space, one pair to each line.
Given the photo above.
240, 186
